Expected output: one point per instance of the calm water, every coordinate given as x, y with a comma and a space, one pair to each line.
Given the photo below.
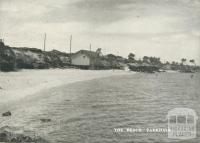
88, 112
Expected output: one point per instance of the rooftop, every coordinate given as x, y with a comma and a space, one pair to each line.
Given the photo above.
90, 54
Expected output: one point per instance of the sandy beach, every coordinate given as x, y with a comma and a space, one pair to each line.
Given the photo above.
24, 83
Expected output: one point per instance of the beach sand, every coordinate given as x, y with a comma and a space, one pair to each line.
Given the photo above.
17, 85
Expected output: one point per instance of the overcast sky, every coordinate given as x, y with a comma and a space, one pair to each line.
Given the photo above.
169, 29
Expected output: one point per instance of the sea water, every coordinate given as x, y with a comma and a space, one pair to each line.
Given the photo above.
121, 109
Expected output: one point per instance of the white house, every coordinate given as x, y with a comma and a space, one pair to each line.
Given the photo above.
84, 59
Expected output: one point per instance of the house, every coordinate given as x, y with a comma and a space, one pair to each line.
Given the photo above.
85, 59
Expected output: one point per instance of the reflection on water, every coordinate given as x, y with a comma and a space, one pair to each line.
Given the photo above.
89, 111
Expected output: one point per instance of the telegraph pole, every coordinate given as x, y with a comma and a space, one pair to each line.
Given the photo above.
90, 47
70, 46
44, 41
70, 49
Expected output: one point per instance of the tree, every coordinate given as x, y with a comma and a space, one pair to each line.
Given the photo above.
173, 63
154, 61
131, 57
98, 51
192, 61
183, 60
146, 59
167, 62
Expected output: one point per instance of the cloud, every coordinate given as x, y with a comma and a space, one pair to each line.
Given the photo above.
146, 27
99, 12
91, 11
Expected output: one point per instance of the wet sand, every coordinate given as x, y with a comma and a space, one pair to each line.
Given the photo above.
24, 83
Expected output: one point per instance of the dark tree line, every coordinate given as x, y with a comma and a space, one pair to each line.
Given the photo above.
156, 60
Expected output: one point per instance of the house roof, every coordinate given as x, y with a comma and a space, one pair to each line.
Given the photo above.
90, 54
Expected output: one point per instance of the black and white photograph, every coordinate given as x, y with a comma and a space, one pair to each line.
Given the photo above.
99, 71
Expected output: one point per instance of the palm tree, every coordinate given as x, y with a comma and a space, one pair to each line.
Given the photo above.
183, 60
192, 61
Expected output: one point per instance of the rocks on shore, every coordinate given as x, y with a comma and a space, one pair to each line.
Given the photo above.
6, 136
45, 120
12, 135
8, 113
19, 138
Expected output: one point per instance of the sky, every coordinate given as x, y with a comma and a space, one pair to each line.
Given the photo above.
169, 29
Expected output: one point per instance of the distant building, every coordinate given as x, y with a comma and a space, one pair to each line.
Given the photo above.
85, 59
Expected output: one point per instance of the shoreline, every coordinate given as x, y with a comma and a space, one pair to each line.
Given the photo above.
18, 85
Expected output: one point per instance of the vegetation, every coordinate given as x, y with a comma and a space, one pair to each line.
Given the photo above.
183, 60
131, 57
7, 58
12, 58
